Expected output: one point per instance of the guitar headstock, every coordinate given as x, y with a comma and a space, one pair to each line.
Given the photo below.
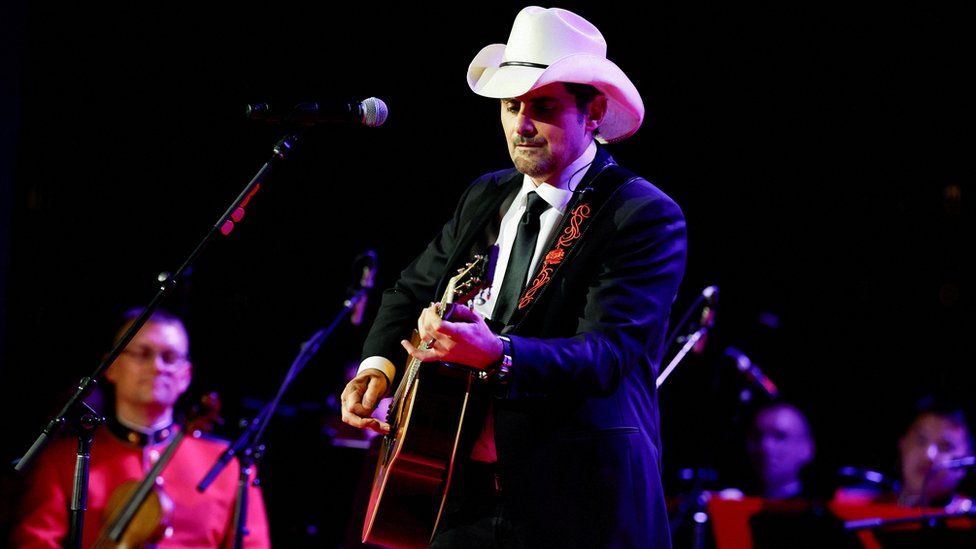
471, 279
205, 414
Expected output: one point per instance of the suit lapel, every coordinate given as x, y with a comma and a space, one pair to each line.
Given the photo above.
482, 230
580, 214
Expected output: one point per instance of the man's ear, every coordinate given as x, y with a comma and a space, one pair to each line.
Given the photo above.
595, 112
110, 372
811, 452
186, 375
902, 445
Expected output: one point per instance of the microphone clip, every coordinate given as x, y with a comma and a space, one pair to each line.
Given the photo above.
753, 374
364, 274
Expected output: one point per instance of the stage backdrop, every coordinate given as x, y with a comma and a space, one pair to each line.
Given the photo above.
816, 152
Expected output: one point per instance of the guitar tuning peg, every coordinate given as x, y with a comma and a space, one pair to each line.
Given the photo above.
483, 296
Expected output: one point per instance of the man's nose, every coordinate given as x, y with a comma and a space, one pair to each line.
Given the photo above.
523, 124
159, 363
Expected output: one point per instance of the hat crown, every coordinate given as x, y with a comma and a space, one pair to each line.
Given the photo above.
555, 45
544, 36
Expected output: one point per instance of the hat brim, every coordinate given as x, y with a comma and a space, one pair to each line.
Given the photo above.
625, 109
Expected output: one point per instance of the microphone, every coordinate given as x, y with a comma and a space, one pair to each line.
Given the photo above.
957, 463
752, 372
367, 272
370, 112
865, 475
707, 320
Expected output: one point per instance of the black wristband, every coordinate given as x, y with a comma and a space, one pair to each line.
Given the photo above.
503, 369
499, 371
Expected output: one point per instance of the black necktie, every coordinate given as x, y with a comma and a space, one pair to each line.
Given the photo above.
519, 261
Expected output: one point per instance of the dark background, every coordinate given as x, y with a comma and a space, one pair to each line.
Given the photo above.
817, 153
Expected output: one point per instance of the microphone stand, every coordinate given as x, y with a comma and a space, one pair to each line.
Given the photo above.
697, 498
689, 341
76, 407
928, 519
85, 424
248, 448
695, 502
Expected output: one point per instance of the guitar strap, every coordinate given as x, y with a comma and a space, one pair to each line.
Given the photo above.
588, 204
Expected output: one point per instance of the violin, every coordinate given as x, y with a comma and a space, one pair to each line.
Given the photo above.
139, 512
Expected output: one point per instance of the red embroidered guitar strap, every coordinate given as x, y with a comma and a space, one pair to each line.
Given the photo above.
579, 215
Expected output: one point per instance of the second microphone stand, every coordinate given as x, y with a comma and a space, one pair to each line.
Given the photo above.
248, 448
76, 411
709, 296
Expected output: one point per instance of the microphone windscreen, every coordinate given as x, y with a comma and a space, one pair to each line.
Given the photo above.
376, 112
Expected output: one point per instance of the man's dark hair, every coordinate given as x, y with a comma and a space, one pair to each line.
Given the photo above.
584, 94
779, 403
160, 316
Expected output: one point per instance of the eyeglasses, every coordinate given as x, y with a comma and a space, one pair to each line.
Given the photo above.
169, 357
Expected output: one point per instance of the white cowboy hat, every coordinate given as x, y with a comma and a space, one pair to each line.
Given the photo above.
555, 45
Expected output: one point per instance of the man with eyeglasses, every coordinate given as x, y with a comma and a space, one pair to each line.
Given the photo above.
146, 381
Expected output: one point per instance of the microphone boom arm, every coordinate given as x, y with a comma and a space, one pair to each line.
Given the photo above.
680, 355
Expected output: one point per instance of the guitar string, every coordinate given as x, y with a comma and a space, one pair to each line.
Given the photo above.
414, 366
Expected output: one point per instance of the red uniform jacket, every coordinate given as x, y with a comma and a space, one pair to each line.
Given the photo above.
198, 520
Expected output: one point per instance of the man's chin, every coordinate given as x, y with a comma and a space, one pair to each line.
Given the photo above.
531, 168
162, 398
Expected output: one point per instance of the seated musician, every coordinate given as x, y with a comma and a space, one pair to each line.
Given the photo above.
930, 452
783, 504
780, 446
937, 434
147, 379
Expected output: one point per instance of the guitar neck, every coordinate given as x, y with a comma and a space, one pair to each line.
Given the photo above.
413, 367
463, 286
128, 511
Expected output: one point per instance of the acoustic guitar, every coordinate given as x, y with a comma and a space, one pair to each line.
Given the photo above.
426, 416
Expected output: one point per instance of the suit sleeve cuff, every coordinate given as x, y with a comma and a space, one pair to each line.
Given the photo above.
381, 364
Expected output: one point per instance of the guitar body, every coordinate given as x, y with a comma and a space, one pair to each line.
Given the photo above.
149, 524
426, 417
417, 457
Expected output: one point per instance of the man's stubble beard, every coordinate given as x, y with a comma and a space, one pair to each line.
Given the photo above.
534, 168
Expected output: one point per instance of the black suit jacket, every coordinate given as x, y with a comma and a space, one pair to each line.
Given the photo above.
576, 430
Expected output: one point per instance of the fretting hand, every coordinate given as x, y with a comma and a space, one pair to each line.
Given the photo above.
464, 339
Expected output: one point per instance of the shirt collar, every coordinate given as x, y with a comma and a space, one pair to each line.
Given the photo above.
559, 196
137, 435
